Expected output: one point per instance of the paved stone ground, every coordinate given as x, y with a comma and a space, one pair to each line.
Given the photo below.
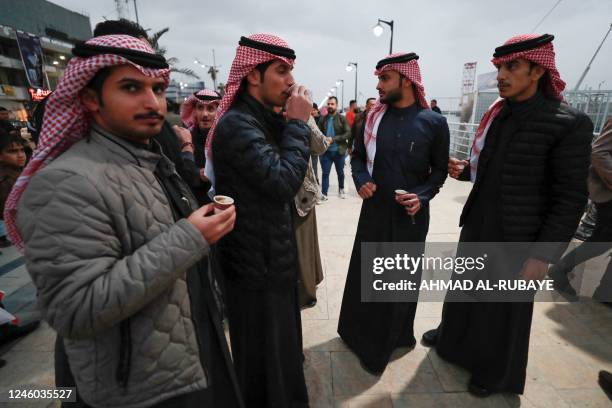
570, 342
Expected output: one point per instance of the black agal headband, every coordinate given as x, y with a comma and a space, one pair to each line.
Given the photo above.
144, 59
398, 59
523, 45
207, 98
271, 48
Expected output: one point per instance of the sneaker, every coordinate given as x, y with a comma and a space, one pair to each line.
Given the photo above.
342, 193
322, 199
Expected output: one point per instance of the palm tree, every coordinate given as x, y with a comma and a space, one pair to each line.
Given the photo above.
172, 61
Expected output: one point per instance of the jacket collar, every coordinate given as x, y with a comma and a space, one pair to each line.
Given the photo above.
142, 155
522, 110
274, 122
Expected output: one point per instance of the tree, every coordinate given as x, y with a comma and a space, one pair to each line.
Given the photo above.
172, 61
221, 89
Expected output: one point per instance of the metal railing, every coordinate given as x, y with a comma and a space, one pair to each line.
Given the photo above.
596, 104
461, 138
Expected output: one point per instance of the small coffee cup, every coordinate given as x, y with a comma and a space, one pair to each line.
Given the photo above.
222, 202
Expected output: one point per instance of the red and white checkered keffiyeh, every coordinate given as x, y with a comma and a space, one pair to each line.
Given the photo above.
245, 61
544, 56
410, 70
66, 120
188, 107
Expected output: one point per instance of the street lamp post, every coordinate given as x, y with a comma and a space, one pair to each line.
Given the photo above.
349, 68
212, 69
338, 82
378, 30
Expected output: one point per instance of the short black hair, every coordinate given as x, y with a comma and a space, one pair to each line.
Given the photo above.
9, 138
334, 98
352, 101
544, 81
3, 109
121, 26
370, 99
433, 100
315, 106
262, 68
97, 82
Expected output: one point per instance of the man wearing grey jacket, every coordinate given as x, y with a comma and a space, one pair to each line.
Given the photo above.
113, 243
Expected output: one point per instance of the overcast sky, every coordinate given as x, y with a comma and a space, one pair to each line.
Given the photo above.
328, 34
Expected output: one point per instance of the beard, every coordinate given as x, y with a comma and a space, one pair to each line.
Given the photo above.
392, 96
331, 111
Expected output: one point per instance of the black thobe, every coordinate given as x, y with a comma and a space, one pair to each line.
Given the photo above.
193, 164
411, 154
489, 339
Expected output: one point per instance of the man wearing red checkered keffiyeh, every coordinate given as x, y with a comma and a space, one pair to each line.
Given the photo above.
398, 164
116, 244
198, 114
260, 160
529, 166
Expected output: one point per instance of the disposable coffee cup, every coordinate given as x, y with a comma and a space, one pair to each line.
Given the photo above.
222, 202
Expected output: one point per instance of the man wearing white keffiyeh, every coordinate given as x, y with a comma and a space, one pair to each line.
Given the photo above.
403, 145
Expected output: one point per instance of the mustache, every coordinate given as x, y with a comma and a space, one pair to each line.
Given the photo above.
149, 115
502, 83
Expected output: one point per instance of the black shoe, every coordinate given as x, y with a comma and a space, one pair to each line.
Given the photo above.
310, 304
561, 282
5, 243
478, 391
410, 343
376, 371
430, 338
605, 380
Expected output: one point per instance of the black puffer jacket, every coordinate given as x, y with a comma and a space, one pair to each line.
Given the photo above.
260, 160
544, 177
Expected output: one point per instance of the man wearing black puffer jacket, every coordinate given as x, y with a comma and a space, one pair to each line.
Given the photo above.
260, 160
529, 165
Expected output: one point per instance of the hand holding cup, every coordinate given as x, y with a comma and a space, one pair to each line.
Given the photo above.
409, 201
213, 227
299, 104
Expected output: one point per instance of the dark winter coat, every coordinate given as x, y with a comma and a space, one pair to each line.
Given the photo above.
544, 177
260, 160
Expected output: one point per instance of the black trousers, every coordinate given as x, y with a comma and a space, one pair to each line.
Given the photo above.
597, 244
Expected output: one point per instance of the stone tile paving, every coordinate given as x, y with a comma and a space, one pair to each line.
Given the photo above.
570, 342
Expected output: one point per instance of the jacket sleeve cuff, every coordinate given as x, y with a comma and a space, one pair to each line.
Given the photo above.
199, 242
188, 156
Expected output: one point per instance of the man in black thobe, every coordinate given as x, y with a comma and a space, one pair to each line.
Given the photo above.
260, 160
402, 145
529, 167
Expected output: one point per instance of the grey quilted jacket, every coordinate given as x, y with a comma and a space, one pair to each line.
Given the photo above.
102, 247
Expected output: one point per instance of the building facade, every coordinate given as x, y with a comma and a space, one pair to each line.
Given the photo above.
58, 29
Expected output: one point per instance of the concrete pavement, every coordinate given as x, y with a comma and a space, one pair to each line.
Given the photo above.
570, 342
